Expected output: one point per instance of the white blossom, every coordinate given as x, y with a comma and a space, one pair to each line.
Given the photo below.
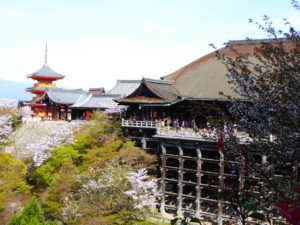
5, 127
27, 113
41, 151
6, 103
144, 191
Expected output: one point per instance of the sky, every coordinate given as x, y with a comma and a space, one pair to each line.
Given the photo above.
95, 42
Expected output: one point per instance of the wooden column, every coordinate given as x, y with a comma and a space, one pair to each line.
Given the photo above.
198, 187
180, 184
295, 172
144, 143
221, 185
163, 179
263, 164
242, 175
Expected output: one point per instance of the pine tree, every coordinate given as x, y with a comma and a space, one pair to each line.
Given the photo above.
31, 215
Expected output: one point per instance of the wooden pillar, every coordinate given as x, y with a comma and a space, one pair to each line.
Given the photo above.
242, 175
263, 164
163, 179
180, 183
198, 187
221, 185
144, 143
295, 172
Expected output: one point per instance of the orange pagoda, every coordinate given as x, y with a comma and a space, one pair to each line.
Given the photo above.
44, 77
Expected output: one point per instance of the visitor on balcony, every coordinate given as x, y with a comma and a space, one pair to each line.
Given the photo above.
176, 125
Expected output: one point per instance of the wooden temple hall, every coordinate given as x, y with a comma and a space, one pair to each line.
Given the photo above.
173, 117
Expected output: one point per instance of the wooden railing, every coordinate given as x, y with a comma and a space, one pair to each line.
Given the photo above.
140, 124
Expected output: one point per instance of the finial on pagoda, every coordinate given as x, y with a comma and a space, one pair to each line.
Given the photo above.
46, 55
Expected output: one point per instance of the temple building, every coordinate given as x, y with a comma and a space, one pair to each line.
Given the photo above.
77, 104
174, 118
45, 77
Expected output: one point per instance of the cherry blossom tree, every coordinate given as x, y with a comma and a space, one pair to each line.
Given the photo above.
60, 135
6, 120
27, 113
144, 191
6, 103
5, 127
270, 81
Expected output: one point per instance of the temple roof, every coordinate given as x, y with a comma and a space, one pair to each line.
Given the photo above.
95, 101
125, 87
45, 72
206, 77
152, 91
63, 96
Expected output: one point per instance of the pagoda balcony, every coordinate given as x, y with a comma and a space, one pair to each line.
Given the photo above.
44, 85
140, 124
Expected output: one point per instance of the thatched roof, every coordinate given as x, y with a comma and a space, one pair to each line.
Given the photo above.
206, 77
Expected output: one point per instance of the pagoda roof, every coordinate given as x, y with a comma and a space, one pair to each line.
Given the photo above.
45, 72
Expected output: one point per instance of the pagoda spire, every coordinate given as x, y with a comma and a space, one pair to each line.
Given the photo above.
46, 55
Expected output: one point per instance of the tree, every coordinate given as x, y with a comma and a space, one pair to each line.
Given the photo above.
41, 151
270, 81
5, 128
86, 181
31, 215
144, 191
12, 177
27, 113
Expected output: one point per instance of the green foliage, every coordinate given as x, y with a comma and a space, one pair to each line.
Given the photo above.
249, 206
135, 158
95, 133
185, 221
124, 218
31, 215
46, 174
88, 178
12, 177
258, 216
53, 198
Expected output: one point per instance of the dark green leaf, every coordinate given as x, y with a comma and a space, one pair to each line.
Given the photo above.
258, 216
221, 195
250, 206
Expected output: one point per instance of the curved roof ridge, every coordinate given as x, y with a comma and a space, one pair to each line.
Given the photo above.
158, 81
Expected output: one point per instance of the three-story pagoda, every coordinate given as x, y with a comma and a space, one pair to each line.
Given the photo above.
44, 77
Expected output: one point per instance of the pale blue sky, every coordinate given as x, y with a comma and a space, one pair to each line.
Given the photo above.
94, 43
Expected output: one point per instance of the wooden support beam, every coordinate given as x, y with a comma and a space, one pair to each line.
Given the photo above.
144, 143
242, 175
163, 179
180, 184
221, 185
198, 187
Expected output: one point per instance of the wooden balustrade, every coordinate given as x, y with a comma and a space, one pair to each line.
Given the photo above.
140, 124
